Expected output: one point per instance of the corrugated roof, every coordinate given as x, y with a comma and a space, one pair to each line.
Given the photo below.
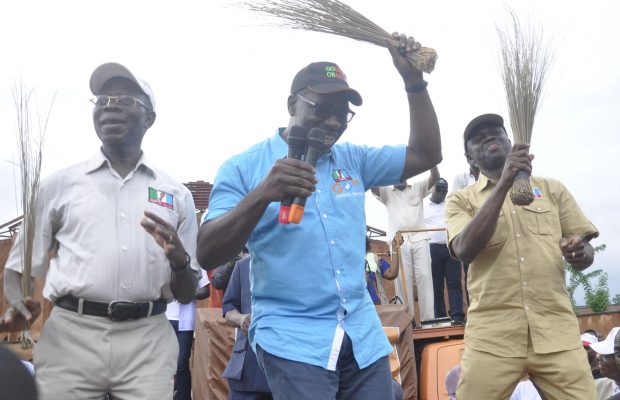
201, 191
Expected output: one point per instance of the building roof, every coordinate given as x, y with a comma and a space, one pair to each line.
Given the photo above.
201, 191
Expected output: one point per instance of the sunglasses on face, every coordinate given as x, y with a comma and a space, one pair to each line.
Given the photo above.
125, 101
322, 111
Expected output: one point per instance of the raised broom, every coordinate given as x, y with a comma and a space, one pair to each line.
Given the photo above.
336, 18
524, 62
30, 145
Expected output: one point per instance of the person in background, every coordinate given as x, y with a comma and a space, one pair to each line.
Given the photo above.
378, 269
404, 204
609, 385
444, 267
182, 317
126, 239
462, 181
246, 381
588, 337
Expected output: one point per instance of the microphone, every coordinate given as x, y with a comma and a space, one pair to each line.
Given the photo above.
296, 150
316, 144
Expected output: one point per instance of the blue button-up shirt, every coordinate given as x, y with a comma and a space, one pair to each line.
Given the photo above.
308, 283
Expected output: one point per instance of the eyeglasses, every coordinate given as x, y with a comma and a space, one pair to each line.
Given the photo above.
126, 101
321, 111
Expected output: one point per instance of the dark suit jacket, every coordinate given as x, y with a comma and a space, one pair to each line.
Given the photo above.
242, 371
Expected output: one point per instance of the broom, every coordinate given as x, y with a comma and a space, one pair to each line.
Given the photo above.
524, 62
336, 18
30, 147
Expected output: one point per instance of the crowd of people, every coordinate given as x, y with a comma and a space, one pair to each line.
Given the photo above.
118, 242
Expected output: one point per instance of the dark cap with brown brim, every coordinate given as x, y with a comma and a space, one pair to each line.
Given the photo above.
493, 119
324, 78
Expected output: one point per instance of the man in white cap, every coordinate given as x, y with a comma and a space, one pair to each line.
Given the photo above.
609, 385
122, 238
588, 337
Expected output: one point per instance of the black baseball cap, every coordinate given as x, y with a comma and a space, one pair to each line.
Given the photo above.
324, 77
441, 183
479, 120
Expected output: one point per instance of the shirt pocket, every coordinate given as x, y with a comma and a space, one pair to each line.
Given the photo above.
501, 231
539, 219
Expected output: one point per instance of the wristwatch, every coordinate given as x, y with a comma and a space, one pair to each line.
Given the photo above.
188, 260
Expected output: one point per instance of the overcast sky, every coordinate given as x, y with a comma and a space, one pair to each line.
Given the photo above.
221, 83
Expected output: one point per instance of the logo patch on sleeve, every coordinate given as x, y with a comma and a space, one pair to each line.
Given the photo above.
161, 198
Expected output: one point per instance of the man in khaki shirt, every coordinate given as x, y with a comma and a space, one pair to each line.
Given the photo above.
520, 318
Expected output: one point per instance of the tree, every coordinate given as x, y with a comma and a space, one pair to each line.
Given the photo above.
616, 299
597, 297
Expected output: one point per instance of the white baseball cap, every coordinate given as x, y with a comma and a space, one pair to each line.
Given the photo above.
110, 70
587, 339
607, 345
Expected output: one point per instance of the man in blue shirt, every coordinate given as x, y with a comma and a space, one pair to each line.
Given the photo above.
314, 327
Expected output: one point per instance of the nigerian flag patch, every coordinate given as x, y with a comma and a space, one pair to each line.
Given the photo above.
161, 198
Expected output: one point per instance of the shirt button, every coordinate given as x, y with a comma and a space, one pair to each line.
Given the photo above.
124, 248
518, 235
513, 211
524, 284
522, 258
123, 215
332, 242
318, 190
527, 307
324, 215
344, 300
538, 208
338, 271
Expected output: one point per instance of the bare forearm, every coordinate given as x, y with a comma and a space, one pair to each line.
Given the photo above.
183, 284
221, 239
433, 178
470, 242
424, 144
234, 318
13, 286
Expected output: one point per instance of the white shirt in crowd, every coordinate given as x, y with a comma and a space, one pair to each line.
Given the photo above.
434, 217
461, 181
525, 390
404, 208
186, 313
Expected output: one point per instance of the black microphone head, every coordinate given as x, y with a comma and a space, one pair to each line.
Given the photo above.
316, 138
297, 135
296, 141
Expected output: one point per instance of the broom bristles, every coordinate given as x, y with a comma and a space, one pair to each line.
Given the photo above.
524, 62
30, 147
336, 18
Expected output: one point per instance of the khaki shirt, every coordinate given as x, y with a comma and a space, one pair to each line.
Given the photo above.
92, 216
517, 283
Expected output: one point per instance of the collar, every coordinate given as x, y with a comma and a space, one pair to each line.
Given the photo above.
99, 159
484, 181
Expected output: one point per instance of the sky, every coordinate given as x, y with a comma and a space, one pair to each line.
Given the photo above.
221, 79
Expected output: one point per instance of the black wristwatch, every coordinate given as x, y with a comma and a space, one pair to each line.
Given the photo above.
188, 260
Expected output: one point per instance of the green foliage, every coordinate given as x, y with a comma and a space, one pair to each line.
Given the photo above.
616, 299
597, 297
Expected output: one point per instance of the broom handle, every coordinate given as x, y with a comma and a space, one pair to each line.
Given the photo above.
522, 175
